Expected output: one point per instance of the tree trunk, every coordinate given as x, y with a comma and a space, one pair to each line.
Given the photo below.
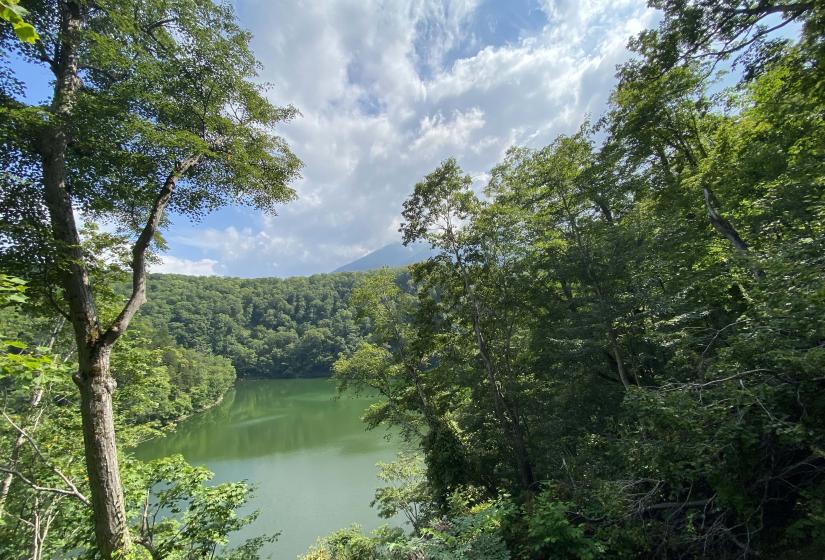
722, 225
92, 378
617, 355
93, 344
96, 387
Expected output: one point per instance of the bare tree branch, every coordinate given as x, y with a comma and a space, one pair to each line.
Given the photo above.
73, 489
73, 492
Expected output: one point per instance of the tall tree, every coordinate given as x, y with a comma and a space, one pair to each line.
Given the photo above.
436, 211
154, 108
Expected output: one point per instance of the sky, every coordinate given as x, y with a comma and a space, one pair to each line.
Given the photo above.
387, 89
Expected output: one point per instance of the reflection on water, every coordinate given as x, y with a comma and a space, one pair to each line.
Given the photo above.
307, 452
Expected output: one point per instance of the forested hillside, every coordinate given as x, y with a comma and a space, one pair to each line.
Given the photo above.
267, 327
166, 382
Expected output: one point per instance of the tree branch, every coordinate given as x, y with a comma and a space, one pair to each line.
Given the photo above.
73, 491
732, 46
152, 26
138, 295
795, 10
721, 224
676, 505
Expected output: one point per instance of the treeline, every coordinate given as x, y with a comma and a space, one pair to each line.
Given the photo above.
618, 352
267, 327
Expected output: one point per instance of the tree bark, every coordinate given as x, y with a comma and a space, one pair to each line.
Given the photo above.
96, 386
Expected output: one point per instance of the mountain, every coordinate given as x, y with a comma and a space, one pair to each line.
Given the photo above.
392, 255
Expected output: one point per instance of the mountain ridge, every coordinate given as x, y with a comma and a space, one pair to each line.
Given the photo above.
392, 255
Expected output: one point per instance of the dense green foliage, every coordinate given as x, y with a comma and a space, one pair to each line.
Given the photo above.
166, 382
620, 346
268, 327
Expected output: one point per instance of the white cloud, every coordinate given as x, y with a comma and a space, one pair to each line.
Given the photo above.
437, 133
175, 265
384, 99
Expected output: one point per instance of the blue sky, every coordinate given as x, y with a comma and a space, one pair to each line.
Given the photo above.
389, 88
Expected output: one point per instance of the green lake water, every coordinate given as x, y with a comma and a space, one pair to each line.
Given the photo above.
307, 452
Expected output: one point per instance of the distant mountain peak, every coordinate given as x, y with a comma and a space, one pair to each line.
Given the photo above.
393, 255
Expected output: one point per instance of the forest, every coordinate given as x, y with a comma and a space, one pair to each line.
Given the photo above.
268, 327
616, 351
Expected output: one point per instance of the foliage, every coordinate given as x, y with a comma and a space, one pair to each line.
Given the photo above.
550, 532
633, 314
407, 493
164, 383
472, 532
181, 517
43, 504
267, 327
12, 12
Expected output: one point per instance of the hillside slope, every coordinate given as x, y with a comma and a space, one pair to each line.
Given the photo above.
268, 327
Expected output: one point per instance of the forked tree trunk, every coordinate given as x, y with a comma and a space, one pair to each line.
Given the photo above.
94, 345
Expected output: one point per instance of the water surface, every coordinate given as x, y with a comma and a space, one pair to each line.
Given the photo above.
308, 454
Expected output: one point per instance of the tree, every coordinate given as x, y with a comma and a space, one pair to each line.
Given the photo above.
397, 357
154, 108
646, 298
711, 30
436, 211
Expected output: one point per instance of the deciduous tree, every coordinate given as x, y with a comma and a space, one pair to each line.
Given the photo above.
155, 108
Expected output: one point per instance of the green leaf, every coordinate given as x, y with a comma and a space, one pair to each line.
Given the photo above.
13, 13
26, 33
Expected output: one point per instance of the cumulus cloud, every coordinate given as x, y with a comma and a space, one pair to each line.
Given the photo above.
438, 134
389, 88
174, 265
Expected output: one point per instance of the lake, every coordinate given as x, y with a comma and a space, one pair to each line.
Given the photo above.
307, 452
